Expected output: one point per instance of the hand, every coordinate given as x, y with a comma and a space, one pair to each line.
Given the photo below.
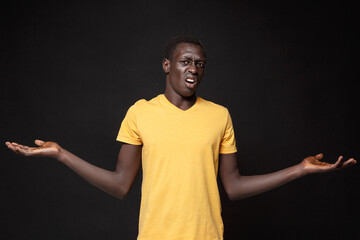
313, 165
45, 149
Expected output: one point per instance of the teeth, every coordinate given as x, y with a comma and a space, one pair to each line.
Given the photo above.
190, 80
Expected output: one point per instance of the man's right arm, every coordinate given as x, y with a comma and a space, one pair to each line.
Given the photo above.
116, 183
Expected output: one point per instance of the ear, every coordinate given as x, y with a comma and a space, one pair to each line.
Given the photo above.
166, 65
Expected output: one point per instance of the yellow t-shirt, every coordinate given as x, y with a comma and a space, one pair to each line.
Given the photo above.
180, 153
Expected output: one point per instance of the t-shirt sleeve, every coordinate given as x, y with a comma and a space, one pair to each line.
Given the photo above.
228, 142
129, 132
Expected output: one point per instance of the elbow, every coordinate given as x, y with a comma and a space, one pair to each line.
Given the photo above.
239, 194
231, 194
232, 197
235, 197
234, 194
121, 186
121, 192
120, 196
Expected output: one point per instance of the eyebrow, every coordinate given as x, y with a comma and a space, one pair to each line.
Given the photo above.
190, 58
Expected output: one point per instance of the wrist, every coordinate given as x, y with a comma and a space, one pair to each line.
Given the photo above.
61, 155
302, 169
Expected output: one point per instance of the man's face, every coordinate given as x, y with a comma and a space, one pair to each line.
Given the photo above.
185, 70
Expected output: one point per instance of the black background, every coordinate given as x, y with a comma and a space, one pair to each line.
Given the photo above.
286, 70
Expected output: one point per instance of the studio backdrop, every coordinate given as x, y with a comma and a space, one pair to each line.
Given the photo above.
286, 70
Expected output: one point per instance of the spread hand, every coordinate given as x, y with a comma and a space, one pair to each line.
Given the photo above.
313, 164
44, 149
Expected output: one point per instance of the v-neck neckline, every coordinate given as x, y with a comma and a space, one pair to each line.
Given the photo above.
171, 105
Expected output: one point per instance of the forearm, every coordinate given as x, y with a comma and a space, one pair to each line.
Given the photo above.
246, 186
109, 181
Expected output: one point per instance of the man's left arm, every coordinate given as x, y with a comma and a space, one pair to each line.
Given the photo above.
238, 186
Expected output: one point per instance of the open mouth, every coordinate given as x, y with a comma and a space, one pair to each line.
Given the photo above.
190, 82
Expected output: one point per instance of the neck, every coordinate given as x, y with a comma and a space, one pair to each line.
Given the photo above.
184, 103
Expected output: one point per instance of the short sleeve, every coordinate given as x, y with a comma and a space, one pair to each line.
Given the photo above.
129, 132
228, 142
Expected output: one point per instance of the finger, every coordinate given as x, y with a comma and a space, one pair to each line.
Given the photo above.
39, 142
319, 156
23, 147
337, 163
25, 151
348, 162
16, 148
10, 146
19, 145
19, 151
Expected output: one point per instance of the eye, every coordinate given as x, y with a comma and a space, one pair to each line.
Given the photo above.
185, 62
200, 64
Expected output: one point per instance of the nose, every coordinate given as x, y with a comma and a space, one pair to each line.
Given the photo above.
192, 68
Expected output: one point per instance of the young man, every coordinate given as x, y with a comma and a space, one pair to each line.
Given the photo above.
183, 142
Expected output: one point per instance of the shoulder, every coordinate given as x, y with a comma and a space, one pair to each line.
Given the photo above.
143, 104
213, 107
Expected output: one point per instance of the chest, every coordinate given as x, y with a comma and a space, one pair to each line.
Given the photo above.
183, 131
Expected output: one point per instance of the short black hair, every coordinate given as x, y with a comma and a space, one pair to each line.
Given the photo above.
171, 45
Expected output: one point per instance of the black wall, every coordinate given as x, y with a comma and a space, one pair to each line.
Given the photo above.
286, 70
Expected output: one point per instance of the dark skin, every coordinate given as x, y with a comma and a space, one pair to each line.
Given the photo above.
187, 63
184, 73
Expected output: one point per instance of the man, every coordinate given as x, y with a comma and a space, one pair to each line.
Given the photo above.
183, 141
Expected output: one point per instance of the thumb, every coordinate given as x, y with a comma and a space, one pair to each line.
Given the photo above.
39, 142
319, 156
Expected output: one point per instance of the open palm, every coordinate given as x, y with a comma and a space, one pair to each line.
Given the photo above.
313, 164
44, 149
